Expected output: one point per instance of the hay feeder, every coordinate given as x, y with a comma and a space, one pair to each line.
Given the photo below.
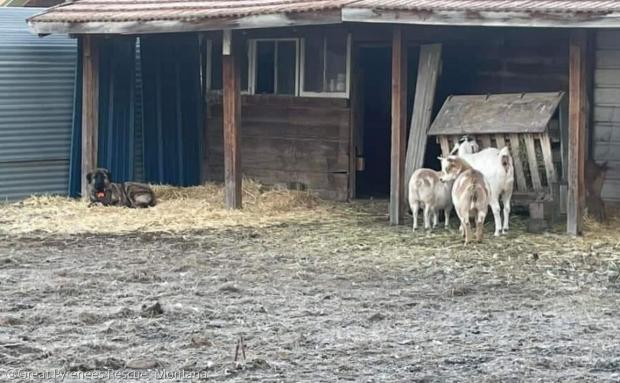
533, 126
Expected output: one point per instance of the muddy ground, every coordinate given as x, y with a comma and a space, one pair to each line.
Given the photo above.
343, 297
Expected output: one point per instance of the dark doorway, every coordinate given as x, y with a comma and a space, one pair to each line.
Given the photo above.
375, 79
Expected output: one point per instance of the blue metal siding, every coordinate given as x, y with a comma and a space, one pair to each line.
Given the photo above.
36, 104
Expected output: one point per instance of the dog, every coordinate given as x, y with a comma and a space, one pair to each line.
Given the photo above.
101, 190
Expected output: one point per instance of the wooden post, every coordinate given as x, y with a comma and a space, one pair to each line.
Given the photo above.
90, 107
399, 121
232, 120
426, 85
577, 117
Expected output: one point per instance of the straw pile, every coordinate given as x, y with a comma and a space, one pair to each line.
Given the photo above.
178, 210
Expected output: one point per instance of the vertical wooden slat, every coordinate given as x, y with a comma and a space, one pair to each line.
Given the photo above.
445, 146
576, 132
399, 116
515, 150
232, 117
355, 121
484, 141
500, 141
90, 107
532, 161
545, 146
426, 85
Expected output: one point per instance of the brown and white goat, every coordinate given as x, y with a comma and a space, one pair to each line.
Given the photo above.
426, 190
470, 193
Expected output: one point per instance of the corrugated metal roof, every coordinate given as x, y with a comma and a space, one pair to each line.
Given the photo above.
187, 10
181, 10
493, 5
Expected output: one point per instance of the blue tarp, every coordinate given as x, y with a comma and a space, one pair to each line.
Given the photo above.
170, 125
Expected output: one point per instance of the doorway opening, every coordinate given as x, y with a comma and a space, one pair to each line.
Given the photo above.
375, 77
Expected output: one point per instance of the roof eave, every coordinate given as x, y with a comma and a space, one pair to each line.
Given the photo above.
484, 18
177, 26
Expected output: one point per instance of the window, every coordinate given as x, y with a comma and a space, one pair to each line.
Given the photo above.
214, 66
325, 65
274, 68
316, 66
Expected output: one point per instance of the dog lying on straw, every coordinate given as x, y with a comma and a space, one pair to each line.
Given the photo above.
101, 190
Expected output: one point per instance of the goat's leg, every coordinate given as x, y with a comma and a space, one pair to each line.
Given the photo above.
506, 197
414, 211
480, 225
427, 216
435, 218
496, 215
446, 214
467, 229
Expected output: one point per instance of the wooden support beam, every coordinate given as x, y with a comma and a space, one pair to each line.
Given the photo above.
232, 121
90, 107
399, 127
426, 85
577, 117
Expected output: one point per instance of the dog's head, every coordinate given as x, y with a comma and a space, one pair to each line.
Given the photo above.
100, 180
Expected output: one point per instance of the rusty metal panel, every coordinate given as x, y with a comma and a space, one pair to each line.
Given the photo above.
500, 113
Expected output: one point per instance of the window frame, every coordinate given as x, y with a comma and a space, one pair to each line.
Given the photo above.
252, 64
346, 93
300, 55
209, 70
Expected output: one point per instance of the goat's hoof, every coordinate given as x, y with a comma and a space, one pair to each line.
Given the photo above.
496, 234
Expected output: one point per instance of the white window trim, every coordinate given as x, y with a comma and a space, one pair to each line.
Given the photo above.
302, 60
252, 65
210, 70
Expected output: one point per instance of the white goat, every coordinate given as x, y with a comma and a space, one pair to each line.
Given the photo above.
497, 168
470, 194
427, 190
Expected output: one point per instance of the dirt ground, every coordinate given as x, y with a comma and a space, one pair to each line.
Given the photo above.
339, 297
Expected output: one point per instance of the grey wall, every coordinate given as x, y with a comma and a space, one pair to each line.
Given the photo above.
36, 101
606, 133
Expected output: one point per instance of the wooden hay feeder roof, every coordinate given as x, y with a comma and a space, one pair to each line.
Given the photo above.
492, 114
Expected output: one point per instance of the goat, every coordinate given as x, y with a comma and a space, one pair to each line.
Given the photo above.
470, 193
496, 166
427, 190
594, 178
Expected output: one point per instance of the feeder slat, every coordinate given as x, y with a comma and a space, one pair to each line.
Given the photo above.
500, 141
545, 145
445, 146
532, 161
485, 140
516, 160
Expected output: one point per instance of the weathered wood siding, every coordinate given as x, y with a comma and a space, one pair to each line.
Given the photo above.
606, 135
287, 139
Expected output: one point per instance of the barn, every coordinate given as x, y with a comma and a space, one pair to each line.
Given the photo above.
333, 96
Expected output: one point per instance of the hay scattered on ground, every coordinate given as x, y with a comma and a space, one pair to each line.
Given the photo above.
178, 210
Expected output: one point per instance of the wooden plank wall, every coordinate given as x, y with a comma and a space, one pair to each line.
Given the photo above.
287, 140
606, 133
507, 61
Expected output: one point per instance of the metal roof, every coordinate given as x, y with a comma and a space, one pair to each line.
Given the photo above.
186, 10
149, 16
499, 113
493, 5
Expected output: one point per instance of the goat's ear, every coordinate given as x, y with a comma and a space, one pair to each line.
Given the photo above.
89, 176
440, 158
107, 173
